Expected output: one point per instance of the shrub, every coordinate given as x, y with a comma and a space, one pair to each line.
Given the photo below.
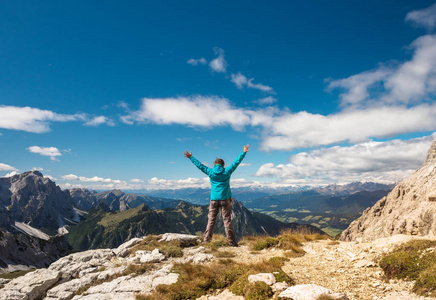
258, 291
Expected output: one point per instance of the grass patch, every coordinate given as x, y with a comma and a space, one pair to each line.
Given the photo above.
415, 260
288, 240
218, 241
198, 280
16, 274
151, 242
326, 297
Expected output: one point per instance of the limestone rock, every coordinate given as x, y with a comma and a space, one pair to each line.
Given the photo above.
30, 286
123, 249
200, 258
279, 286
410, 208
268, 278
309, 292
184, 239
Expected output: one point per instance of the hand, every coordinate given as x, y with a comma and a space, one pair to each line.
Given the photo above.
187, 154
246, 148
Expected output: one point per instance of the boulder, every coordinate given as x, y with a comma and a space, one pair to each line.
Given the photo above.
31, 286
185, 240
309, 292
268, 278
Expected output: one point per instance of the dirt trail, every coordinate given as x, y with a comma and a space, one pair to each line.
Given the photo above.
344, 267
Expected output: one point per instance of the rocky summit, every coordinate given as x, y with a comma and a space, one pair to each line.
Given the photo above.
339, 270
410, 208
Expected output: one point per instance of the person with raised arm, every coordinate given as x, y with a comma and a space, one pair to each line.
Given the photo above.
220, 194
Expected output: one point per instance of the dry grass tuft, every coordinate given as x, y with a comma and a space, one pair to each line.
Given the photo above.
289, 240
197, 280
151, 242
325, 297
415, 260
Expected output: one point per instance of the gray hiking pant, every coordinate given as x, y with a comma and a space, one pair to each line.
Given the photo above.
226, 211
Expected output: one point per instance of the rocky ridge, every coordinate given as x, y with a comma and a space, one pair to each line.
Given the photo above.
410, 208
343, 270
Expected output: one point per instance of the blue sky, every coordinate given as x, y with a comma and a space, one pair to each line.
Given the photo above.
110, 95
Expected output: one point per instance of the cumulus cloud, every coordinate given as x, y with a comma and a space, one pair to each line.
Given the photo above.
266, 101
90, 179
423, 17
218, 64
32, 119
290, 131
99, 120
51, 152
5, 167
241, 81
405, 83
387, 161
196, 62
135, 180
13, 173
50, 177
191, 111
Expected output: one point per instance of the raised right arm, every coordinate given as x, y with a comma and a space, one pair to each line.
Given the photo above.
200, 166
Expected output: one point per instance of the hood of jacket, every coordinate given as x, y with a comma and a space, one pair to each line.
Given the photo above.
218, 169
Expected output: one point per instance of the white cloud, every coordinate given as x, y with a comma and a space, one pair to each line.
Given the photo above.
50, 177
244, 165
219, 64
135, 180
96, 121
424, 17
266, 101
156, 183
241, 81
32, 119
37, 169
52, 152
90, 179
290, 131
191, 111
372, 161
410, 82
196, 62
13, 173
5, 167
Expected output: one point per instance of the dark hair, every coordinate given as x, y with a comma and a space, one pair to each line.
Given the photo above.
218, 161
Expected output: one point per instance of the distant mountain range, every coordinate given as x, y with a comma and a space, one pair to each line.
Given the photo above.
103, 228
256, 194
33, 209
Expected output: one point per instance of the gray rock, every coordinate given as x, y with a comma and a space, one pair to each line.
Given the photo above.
123, 249
30, 286
309, 292
184, 239
268, 278
408, 209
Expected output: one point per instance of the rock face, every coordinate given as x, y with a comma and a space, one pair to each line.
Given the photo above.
37, 201
97, 274
410, 208
19, 251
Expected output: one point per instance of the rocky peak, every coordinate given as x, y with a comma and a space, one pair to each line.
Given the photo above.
35, 200
410, 208
431, 154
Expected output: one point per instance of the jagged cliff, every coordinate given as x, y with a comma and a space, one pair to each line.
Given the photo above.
410, 208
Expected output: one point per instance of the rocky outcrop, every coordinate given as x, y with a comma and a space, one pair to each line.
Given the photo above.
410, 208
97, 274
83, 198
37, 201
19, 251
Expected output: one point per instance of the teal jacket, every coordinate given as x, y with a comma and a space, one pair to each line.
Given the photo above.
219, 177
